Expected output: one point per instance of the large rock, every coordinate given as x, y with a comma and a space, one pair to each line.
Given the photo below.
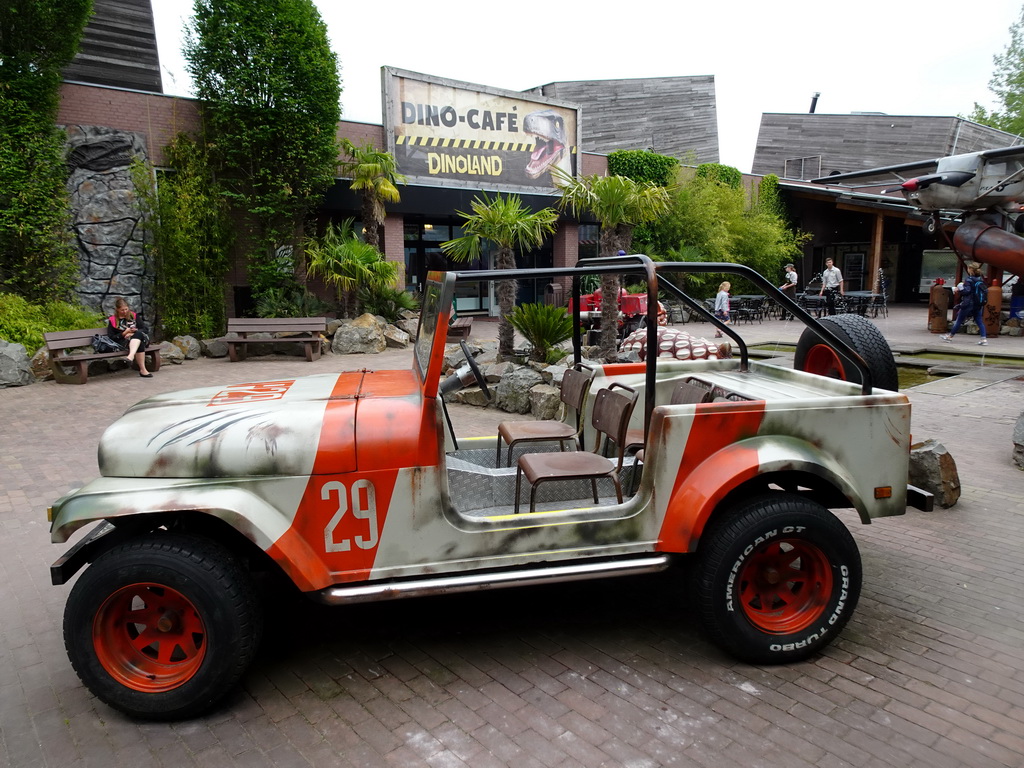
474, 396
553, 374
395, 337
1018, 442
171, 353
15, 367
364, 335
512, 394
189, 346
409, 326
454, 358
214, 347
40, 365
495, 371
932, 468
544, 401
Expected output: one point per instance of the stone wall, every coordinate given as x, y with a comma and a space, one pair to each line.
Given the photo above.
106, 219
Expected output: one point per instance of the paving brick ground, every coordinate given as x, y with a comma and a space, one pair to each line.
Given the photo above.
929, 673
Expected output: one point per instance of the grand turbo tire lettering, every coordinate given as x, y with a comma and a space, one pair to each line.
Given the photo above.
777, 579
822, 631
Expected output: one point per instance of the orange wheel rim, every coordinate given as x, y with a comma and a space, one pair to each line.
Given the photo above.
149, 637
823, 361
785, 586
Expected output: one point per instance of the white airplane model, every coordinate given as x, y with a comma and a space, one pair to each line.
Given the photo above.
984, 187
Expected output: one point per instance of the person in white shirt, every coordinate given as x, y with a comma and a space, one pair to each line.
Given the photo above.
831, 284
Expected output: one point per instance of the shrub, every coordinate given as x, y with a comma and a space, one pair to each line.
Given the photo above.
643, 165
386, 301
24, 323
289, 301
544, 326
724, 174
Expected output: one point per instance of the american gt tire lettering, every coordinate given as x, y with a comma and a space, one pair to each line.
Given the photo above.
776, 578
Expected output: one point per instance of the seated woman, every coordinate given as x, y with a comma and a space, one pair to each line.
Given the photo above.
122, 327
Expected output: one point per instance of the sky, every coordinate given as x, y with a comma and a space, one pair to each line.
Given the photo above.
890, 56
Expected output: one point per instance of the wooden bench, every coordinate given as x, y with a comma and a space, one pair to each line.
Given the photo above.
65, 349
459, 328
301, 330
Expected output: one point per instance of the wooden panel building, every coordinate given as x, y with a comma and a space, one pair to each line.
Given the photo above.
807, 146
118, 47
674, 116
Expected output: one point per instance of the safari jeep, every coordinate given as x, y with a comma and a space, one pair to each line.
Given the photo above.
355, 487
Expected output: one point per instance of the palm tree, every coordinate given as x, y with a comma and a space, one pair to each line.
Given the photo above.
507, 223
374, 173
346, 262
619, 204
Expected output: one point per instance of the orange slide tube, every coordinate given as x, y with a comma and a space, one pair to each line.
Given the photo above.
981, 239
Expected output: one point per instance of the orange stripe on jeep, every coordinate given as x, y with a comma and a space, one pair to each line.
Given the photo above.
337, 528
714, 462
336, 448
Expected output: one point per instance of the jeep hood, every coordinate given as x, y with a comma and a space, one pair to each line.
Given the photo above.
256, 429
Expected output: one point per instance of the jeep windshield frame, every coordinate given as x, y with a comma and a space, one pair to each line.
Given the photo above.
435, 311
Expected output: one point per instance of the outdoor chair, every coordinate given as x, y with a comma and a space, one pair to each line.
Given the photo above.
610, 419
575, 386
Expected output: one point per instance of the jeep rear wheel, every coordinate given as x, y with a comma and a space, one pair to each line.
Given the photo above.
162, 626
777, 580
815, 355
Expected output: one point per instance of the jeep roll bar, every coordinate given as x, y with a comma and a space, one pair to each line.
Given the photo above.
644, 266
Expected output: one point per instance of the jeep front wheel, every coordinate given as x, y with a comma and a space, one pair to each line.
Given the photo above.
777, 581
162, 626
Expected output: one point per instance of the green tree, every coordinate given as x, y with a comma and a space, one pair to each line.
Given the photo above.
270, 89
347, 263
712, 221
619, 204
510, 225
190, 232
37, 39
1007, 85
374, 174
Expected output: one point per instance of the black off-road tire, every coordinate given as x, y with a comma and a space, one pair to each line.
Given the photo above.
776, 581
815, 355
190, 598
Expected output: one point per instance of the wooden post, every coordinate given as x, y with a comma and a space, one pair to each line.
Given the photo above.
875, 258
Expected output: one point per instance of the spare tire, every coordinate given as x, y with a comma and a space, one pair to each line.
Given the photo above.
815, 355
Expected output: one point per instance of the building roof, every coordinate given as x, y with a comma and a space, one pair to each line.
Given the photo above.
807, 146
118, 47
674, 116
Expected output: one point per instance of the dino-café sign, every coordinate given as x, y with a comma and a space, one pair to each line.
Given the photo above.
444, 132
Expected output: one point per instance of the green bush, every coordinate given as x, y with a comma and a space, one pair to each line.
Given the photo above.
543, 325
725, 174
24, 323
643, 165
289, 301
386, 301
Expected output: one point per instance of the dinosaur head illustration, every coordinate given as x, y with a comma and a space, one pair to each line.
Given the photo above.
548, 127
